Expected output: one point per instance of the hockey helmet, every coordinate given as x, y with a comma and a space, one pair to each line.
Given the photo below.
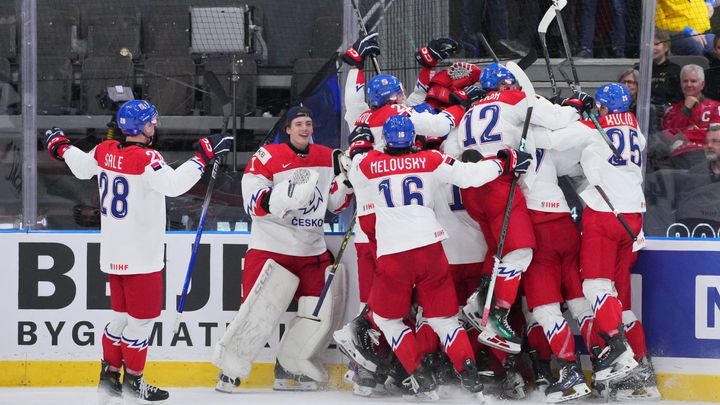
134, 114
615, 96
399, 132
383, 88
494, 75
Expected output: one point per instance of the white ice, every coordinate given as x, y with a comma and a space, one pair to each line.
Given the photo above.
202, 396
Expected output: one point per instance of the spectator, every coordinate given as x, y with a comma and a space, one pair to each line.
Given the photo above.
699, 188
665, 88
688, 21
492, 13
630, 78
712, 74
587, 30
685, 123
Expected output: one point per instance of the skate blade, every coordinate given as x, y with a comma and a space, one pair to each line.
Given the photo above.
361, 391
291, 385
344, 344
619, 370
429, 396
105, 399
577, 391
492, 340
642, 394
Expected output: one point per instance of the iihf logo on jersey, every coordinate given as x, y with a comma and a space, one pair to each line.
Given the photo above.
314, 204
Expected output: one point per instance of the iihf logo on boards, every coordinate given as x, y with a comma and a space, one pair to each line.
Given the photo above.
707, 307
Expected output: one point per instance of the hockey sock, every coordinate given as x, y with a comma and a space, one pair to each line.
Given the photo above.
134, 344
557, 331
635, 334
402, 341
537, 340
454, 340
111, 338
607, 308
582, 312
506, 286
425, 338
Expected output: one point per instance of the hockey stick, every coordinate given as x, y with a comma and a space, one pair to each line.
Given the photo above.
617, 213
529, 91
364, 31
542, 31
488, 48
203, 217
335, 265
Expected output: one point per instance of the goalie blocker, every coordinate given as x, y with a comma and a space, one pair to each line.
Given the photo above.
259, 314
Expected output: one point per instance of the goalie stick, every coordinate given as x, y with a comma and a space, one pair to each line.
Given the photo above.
218, 91
529, 91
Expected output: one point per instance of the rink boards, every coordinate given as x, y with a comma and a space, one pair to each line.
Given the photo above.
56, 303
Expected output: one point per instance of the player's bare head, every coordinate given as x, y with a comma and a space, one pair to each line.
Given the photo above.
692, 80
385, 89
299, 126
137, 120
712, 143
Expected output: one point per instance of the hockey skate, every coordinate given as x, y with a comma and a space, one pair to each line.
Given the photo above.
227, 384
640, 384
471, 380
136, 389
286, 381
497, 333
363, 381
421, 385
513, 385
615, 361
543, 375
570, 384
109, 387
357, 340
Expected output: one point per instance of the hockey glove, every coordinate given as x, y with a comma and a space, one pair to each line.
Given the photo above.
56, 143
463, 74
472, 94
341, 162
581, 101
471, 155
213, 147
362, 48
361, 140
437, 50
514, 161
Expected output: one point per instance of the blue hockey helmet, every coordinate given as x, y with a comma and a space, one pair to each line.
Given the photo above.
615, 96
399, 132
134, 114
495, 74
383, 88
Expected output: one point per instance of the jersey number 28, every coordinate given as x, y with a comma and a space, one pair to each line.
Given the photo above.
118, 200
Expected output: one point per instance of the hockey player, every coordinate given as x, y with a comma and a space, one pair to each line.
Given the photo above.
607, 253
287, 189
493, 123
394, 192
133, 182
553, 276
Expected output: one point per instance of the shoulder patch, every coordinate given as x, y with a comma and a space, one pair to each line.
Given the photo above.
263, 155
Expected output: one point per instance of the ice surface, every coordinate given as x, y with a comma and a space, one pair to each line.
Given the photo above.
202, 396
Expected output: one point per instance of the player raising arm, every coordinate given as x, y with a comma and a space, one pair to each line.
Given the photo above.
133, 181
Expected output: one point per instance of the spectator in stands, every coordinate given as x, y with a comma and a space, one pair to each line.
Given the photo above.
685, 124
665, 89
712, 74
630, 78
492, 13
688, 21
588, 14
698, 190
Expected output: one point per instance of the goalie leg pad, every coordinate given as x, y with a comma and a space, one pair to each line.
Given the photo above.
249, 331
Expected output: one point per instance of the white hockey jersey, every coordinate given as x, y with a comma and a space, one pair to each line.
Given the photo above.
357, 112
496, 122
133, 181
620, 179
465, 241
300, 232
402, 191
